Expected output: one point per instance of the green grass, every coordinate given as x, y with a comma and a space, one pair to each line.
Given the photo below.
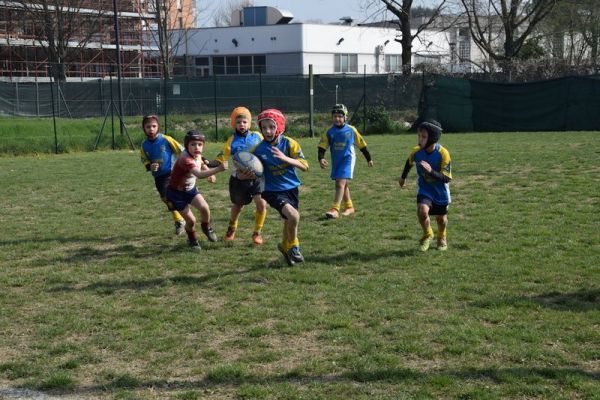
100, 300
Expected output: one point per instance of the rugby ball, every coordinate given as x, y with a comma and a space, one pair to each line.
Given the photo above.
247, 160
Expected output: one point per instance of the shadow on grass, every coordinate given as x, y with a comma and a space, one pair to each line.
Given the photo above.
222, 377
582, 300
111, 286
360, 256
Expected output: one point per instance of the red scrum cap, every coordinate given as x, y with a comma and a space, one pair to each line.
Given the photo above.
276, 116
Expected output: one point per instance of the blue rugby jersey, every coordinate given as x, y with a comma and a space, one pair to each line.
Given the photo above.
439, 159
236, 143
341, 141
163, 150
280, 176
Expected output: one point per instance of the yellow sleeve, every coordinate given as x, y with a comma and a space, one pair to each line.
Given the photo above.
324, 143
144, 158
446, 164
296, 152
358, 139
175, 145
225, 154
411, 157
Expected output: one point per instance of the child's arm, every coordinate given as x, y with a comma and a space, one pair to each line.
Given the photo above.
407, 167
204, 167
437, 175
145, 160
199, 172
322, 148
301, 164
362, 146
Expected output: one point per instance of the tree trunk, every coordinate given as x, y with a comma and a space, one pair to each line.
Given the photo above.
406, 42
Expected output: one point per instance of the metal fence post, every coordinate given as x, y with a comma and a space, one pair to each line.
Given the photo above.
215, 105
311, 100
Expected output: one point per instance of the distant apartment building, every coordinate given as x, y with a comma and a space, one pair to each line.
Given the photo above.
22, 39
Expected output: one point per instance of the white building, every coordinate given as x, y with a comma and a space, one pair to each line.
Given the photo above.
269, 44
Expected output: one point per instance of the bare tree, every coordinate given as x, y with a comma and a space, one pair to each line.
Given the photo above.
63, 27
223, 15
501, 27
166, 29
402, 9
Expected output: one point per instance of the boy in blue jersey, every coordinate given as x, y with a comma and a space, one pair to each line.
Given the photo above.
243, 189
158, 154
281, 156
341, 139
434, 170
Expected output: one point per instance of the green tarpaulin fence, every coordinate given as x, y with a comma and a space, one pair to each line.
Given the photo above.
461, 105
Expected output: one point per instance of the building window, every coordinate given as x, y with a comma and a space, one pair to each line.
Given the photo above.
245, 64
260, 64
464, 51
236, 65
393, 63
345, 63
218, 65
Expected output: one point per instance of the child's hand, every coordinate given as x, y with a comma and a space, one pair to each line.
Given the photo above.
245, 174
401, 181
323, 163
425, 165
154, 166
278, 153
223, 166
211, 179
370, 163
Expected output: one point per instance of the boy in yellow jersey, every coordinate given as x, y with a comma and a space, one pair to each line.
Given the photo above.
243, 189
158, 154
434, 170
281, 155
341, 139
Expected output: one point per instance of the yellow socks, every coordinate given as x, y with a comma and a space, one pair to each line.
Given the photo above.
176, 216
259, 220
233, 224
428, 232
348, 204
441, 235
289, 245
335, 206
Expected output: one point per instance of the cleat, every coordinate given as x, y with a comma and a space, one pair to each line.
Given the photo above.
288, 260
257, 238
424, 243
229, 235
210, 234
194, 245
332, 214
295, 255
348, 212
179, 227
442, 245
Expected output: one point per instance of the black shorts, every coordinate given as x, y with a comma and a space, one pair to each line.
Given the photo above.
241, 191
161, 183
278, 200
434, 209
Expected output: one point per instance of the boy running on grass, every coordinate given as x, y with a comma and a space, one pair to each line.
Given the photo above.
159, 153
281, 155
341, 139
182, 192
434, 172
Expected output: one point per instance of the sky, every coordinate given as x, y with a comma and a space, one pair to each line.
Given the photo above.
302, 10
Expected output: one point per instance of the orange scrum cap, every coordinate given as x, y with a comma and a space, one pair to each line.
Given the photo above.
240, 112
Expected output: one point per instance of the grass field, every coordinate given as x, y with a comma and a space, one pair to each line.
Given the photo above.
100, 300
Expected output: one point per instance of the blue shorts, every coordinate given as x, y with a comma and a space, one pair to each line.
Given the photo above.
278, 200
178, 200
434, 208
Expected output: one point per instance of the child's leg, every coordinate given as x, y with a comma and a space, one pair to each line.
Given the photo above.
442, 223
204, 209
290, 227
260, 214
424, 220
190, 223
340, 187
348, 205
236, 209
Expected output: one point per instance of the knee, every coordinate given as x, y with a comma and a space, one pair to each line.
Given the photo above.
422, 211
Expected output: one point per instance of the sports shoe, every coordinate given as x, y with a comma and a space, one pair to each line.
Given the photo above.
288, 260
348, 212
194, 244
424, 243
229, 235
442, 245
332, 214
257, 238
295, 255
210, 234
179, 227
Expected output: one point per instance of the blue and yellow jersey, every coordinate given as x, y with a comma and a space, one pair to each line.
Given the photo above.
236, 143
439, 159
280, 176
341, 141
163, 150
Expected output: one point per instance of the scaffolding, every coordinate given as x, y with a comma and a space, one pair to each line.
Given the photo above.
23, 57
